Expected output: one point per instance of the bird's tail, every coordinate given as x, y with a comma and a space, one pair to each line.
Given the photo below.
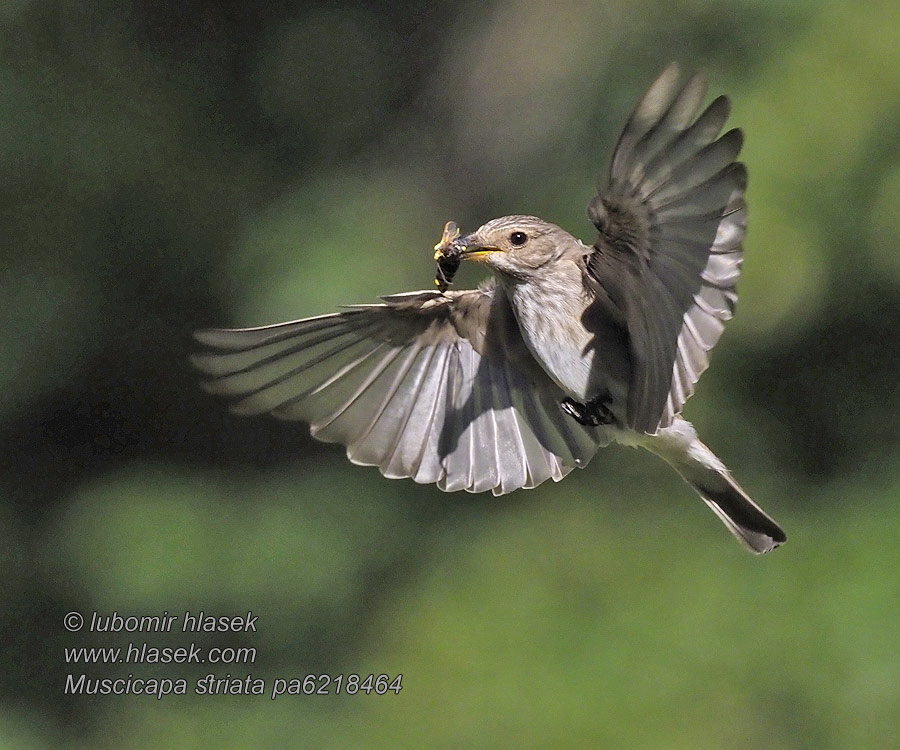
701, 469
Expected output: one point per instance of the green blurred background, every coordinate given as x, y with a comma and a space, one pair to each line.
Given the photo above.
172, 165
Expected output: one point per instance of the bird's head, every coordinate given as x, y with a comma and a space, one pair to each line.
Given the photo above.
514, 245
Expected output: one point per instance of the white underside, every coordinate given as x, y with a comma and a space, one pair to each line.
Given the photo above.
550, 321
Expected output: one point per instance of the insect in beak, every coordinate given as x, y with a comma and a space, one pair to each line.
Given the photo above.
452, 249
448, 254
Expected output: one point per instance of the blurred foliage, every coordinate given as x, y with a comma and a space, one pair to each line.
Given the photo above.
172, 165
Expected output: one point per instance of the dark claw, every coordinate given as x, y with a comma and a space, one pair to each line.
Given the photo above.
578, 412
599, 407
592, 414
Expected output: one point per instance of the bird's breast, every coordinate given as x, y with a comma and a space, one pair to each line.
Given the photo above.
549, 315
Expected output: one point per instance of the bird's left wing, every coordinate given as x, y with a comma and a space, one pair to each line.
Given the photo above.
434, 387
672, 220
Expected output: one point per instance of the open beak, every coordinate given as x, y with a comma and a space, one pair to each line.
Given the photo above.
468, 248
452, 248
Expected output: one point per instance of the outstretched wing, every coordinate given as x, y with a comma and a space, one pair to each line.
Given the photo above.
672, 218
434, 387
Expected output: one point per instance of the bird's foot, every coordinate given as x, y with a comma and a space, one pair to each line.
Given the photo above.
578, 412
592, 414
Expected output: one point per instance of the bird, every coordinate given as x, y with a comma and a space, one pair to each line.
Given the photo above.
566, 348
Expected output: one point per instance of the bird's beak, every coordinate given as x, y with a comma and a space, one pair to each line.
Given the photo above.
468, 248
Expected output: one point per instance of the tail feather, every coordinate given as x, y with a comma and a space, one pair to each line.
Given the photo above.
701, 469
744, 518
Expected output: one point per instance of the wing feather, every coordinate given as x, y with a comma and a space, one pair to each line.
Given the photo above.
397, 454
428, 468
672, 220
436, 387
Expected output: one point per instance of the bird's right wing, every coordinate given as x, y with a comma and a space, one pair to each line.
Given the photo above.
434, 387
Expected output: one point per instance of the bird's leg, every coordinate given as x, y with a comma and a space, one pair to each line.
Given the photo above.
592, 414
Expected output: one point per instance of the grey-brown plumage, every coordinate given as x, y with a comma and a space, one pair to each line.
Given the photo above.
671, 221
568, 348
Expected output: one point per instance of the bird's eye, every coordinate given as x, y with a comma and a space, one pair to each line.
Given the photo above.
518, 238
